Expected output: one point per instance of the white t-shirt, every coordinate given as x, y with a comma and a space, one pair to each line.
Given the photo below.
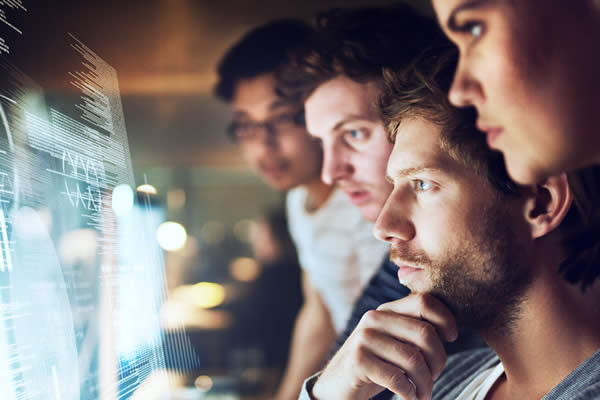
481, 385
337, 249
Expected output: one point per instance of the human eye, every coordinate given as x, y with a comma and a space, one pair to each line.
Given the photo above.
422, 185
355, 135
242, 130
474, 29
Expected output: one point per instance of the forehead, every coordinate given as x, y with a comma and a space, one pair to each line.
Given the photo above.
256, 97
338, 100
417, 145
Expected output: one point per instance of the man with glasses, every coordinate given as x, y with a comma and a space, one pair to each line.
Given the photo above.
334, 242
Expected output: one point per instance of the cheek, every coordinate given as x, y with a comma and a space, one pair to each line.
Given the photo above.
251, 152
299, 144
372, 163
371, 170
434, 231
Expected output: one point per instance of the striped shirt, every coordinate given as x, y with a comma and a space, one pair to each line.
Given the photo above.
462, 368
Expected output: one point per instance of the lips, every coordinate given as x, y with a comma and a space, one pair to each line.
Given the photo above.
273, 169
358, 197
405, 271
492, 132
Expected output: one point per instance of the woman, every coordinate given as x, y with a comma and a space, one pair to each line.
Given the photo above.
531, 68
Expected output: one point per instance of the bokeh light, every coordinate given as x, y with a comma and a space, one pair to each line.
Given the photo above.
245, 269
122, 200
171, 236
203, 383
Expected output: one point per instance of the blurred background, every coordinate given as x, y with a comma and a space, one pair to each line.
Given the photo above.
166, 53
232, 275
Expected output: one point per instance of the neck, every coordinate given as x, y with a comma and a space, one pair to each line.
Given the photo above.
317, 194
558, 326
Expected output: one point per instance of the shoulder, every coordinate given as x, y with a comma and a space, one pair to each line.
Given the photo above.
581, 384
294, 200
461, 369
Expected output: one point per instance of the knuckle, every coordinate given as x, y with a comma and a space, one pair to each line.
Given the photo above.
414, 358
427, 332
365, 335
370, 317
361, 355
399, 383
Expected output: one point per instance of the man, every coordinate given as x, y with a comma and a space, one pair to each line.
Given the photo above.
478, 250
337, 75
335, 247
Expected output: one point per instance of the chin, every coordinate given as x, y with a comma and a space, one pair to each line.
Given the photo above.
283, 184
523, 172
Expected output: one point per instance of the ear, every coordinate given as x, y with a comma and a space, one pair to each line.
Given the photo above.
548, 204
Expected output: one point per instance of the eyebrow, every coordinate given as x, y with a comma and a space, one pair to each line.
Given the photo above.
279, 103
349, 119
403, 173
467, 5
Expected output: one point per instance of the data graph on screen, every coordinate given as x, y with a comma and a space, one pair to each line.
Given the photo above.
82, 283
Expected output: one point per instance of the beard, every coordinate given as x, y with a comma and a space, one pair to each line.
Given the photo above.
482, 280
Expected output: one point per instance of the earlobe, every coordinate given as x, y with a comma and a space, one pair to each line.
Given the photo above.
550, 201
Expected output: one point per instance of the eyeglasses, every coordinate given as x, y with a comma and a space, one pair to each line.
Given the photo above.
250, 130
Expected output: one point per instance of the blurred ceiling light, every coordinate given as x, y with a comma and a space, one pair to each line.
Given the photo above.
203, 383
147, 188
213, 232
245, 269
176, 198
122, 200
241, 230
171, 236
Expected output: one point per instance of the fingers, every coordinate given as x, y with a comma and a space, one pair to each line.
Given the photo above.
406, 331
387, 375
428, 308
395, 356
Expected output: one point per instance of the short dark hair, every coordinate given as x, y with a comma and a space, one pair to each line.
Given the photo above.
421, 91
357, 43
261, 50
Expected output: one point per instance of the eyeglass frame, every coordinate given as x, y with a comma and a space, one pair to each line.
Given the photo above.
269, 126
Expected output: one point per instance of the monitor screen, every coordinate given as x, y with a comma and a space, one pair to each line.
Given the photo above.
81, 275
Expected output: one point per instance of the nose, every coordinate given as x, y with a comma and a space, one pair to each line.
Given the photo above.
393, 225
466, 90
335, 166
